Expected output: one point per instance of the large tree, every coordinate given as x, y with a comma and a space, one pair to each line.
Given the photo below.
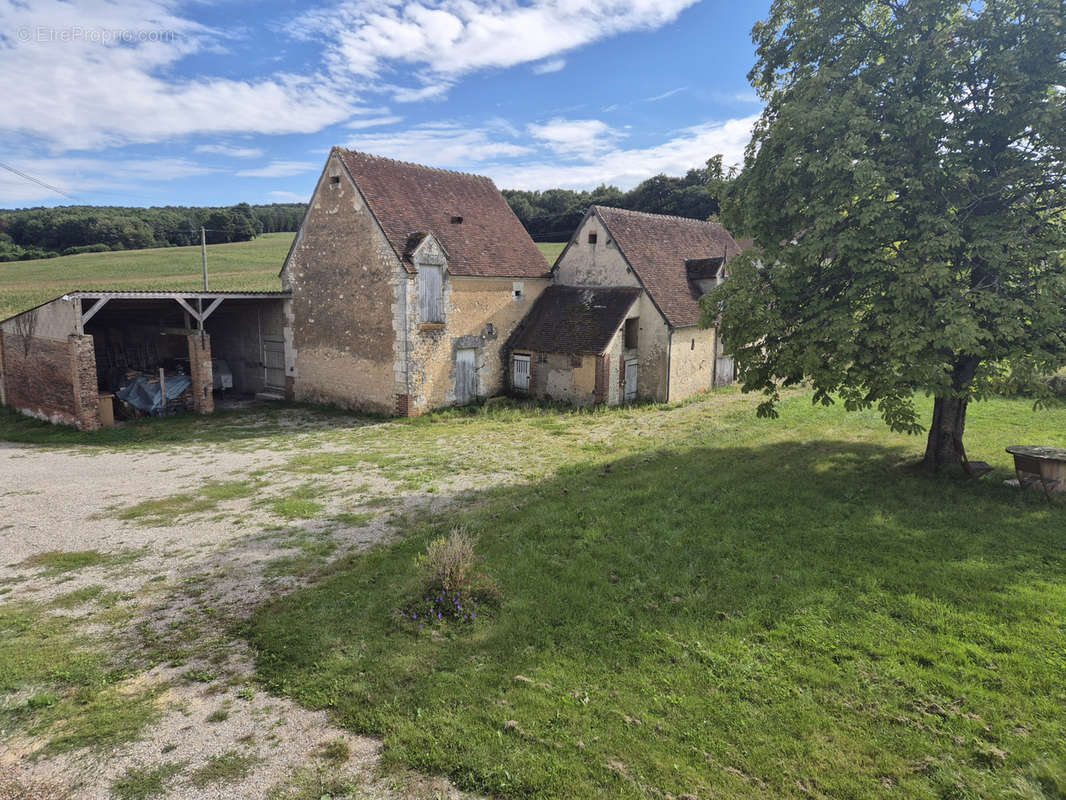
905, 189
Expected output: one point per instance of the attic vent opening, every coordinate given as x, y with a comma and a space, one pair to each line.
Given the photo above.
335, 179
592, 237
457, 220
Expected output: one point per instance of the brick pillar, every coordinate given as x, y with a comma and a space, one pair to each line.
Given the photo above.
603, 370
83, 382
203, 396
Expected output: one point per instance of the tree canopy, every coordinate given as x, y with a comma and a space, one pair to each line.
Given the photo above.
65, 230
554, 214
905, 190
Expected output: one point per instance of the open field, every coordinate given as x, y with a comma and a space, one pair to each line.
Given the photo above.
247, 266
694, 602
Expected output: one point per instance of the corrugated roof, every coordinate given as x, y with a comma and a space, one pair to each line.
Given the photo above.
466, 213
657, 247
575, 320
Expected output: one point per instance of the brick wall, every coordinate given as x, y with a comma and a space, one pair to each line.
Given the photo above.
52, 379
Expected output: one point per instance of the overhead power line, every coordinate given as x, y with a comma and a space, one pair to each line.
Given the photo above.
32, 179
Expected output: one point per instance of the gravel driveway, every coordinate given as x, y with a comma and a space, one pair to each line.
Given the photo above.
193, 574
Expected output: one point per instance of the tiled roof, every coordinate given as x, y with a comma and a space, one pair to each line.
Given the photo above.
466, 213
575, 320
657, 247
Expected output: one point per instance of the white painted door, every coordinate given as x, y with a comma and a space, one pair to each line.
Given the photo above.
274, 362
520, 374
631, 381
465, 376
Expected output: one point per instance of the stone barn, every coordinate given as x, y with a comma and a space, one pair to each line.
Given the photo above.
670, 262
406, 283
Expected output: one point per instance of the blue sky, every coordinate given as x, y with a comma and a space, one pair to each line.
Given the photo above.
151, 102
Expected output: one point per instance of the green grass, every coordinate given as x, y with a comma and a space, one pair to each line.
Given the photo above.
551, 250
57, 562
248, 266
240, 266
206, 498
143, 783
700, 602
227, 767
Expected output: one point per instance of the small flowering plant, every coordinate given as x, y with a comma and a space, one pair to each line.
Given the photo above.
453, 586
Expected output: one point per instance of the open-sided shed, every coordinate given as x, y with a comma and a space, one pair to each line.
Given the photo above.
57, 360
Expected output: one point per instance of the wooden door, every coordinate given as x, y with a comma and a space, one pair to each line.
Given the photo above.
630, 393
465, 376
274, 362
520, 374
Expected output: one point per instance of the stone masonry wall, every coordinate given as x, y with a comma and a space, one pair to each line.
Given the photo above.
691, 362
479, 313
343, 275
203, 396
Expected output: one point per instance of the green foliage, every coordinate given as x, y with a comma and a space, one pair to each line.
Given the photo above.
56, 562
555, 213
45, 232
906, 187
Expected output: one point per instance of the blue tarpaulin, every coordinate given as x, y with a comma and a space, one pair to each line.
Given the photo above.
147, 397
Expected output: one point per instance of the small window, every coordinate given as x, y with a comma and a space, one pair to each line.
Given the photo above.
429, 294
592, 237
457, 220
335, 179
632, 329
519, 290
693, 345
576, 361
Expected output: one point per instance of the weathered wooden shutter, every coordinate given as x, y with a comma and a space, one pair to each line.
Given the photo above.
520, 374
465, 376
429, 294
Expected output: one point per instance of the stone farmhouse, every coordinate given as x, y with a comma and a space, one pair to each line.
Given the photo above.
407, 288
626, 300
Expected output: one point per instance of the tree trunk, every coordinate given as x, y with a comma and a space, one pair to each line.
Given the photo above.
944, 445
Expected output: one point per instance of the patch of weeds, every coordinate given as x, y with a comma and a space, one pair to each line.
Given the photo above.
227, 767
314, 784
301, 503
221, 715
353, 519
78, 597
57, 562
42, 700
102, 720
336, 752
246, 693
206, 498
142, 783
199, 676
377, 502
453, 586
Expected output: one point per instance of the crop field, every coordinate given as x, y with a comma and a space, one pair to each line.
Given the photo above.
241, 266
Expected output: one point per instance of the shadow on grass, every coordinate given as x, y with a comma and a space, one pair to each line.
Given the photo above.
795, 620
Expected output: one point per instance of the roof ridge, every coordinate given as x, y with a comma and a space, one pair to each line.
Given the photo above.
658, 216
374, 157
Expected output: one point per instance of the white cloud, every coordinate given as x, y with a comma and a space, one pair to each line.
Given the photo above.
124, 179
545, 67
443, 144
445, 39
289, 197
279, 169
664, 95
372, 122
229, 152
626, 167
582, 138
70, 81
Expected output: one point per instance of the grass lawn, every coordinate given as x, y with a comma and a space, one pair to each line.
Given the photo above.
247, 266
698, 602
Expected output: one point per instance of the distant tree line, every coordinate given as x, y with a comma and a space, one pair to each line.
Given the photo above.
66, 230
554, 214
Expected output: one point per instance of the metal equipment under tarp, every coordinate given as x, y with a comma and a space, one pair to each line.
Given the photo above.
146, 396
